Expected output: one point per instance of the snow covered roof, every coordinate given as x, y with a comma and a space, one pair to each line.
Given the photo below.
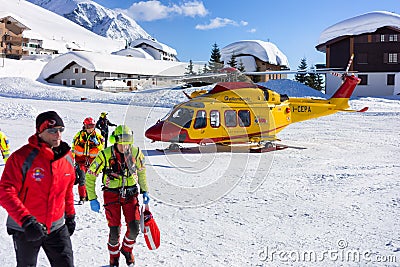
265, 51
16, 20
155, 44
113, 63
365, 23
133, 52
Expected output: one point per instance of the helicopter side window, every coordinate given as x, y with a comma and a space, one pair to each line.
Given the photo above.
182, 117
214, 119
244, 118
201, 119
230, 118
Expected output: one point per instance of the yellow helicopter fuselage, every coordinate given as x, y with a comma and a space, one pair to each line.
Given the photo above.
243, 112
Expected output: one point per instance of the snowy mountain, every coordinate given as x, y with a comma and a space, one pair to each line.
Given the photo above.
96, 18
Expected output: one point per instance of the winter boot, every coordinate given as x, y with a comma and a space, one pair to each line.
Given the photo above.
130, 260
82, 194
114, 262
126, 250
114, 254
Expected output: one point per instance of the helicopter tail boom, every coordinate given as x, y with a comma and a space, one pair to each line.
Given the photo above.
303, 109
341, 97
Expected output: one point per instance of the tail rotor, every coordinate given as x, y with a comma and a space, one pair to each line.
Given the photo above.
344, 74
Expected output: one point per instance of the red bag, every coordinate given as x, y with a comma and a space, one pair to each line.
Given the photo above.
150, 229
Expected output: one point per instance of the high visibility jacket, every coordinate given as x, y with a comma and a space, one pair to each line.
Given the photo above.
4, 146
119, 170
85, 146
46, 190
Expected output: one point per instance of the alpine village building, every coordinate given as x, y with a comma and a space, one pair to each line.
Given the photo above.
11, 38
376, 54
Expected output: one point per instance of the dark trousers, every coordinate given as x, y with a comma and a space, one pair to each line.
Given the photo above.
57, 246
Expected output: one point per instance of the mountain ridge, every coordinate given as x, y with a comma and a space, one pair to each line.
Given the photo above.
96, 18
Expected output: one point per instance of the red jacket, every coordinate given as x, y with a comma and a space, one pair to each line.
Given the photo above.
47, 192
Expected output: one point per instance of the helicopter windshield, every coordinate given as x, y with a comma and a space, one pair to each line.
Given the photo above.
182, 117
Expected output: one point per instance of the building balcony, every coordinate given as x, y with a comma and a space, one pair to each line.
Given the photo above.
14, 39
14, 53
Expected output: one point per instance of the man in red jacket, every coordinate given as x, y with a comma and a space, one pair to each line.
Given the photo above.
36, 189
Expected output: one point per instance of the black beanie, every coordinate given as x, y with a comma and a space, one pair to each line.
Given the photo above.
46, 120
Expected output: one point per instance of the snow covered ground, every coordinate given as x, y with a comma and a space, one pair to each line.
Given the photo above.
334, 203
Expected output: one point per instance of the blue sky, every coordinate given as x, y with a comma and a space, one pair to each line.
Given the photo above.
192, 27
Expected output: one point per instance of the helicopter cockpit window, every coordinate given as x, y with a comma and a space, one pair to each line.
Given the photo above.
201, 119
244, 118
214, 119
230, 118
182, 117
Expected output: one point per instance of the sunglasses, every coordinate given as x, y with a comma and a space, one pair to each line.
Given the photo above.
55, 130
89, 126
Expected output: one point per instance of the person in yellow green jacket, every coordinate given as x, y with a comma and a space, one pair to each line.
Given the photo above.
4, 146
123, 168
86, 144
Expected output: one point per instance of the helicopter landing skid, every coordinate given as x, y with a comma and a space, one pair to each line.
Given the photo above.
260, 148
269, 147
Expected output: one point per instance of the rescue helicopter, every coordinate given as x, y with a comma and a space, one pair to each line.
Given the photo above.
243, 112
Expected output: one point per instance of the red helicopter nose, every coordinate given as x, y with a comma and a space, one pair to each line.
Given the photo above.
166, 132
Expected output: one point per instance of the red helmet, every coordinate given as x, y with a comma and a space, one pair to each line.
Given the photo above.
89, 121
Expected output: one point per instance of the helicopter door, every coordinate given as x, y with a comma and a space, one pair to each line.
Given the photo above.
233, 126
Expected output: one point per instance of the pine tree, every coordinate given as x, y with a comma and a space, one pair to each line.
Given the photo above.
205, 69
320, 82
215, 62
311, 80
189, 68
241, 67
232, 62
301, 78
314, 80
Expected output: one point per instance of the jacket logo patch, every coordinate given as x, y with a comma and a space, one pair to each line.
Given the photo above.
38, 174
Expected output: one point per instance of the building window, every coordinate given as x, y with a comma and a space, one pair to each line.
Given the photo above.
382, 37
76, 70
201, 119
72, 82
244, 118
392, 37
390, 79
230, 118
64, 82
393, 58
214, 119
364, 79
83, 81
83, 70
362, 58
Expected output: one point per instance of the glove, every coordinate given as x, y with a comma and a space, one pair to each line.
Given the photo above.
95, 205
94, 140
33, 230
70, 223
146, 198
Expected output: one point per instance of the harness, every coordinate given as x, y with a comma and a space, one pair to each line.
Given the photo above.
115, 169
